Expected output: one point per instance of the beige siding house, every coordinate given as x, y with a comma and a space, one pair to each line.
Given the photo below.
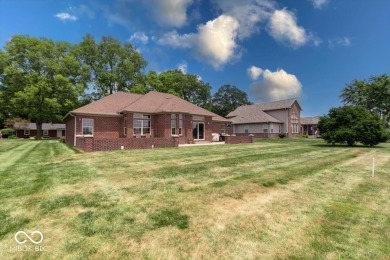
268, 120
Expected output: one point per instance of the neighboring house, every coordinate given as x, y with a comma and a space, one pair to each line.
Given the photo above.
126, 121
309, 126
48, 130
267, 120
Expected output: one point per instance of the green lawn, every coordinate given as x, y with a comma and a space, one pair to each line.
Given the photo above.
280, 199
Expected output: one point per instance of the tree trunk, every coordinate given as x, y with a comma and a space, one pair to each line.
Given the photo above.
39, 131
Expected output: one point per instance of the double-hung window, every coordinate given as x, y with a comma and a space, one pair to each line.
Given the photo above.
294, 124
87, 125
173, 124
180, 124
141, 124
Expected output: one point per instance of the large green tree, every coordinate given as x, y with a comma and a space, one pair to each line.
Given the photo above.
373, 94
227, 99
114, 66
187, 86
41, 80
352, 124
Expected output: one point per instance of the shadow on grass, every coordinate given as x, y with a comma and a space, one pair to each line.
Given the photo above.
348, 146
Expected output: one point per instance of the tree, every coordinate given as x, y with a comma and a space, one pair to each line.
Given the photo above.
352, 124
41, 80
373, 94
187, 86
114, 66
227, 99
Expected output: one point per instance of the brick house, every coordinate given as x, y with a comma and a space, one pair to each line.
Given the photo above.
127, 121
268, 120
48, 130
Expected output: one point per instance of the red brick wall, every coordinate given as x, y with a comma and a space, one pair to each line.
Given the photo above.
69, 133
90, 144
217, 127
294, 109
239, 139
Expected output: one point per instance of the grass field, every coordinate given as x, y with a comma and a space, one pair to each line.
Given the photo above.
297, 199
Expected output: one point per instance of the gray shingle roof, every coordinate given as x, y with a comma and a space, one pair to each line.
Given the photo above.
310, 120
45, 126
257, 113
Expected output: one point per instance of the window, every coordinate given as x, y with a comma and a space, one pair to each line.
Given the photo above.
173, 124
26, 131
141, 124
265, 130
223, 129
246, 130
87, 126
45, 132
180, 124
294, 123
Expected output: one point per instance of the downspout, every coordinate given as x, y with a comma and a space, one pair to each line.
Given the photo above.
74, 136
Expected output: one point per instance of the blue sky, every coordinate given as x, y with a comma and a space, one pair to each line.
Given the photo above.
270, 49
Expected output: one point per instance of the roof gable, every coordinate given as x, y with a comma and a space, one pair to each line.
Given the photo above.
257, 113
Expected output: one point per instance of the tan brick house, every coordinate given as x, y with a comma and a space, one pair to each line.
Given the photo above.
268, 120
127, 121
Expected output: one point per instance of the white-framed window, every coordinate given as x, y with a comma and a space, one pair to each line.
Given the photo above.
45, 132
173, 124
141, 124
87, 125
294, 124
26, 131
265, 130
180, 124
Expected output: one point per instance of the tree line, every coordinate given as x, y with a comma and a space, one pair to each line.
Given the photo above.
42, 80
365, 116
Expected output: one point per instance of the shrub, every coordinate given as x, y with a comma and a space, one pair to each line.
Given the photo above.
7, 132
352, 124
305, 136
282, 135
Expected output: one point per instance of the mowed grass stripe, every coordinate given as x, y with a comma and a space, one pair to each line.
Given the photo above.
16, 154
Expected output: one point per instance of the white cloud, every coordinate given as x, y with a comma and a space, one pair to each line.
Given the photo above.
66, 17
248, 13
283, 28
344, 41
139, 37
276, 85
183, 67
214, 43
254, 72
318, 4
170, 12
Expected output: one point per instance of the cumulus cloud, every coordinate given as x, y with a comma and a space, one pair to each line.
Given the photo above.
254, 72
66, 17
139, 37
248, 13
276, 85
318, 4
344, 41
183, 67
283, 28
170, 12
215, 41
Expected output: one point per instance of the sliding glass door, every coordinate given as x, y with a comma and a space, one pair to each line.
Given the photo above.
198, 131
